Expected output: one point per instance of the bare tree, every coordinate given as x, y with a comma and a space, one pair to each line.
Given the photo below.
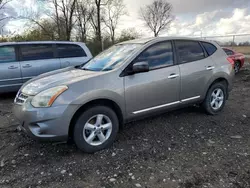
157, 16
3, 4
3, 15
61, 14
83, 16
97, 18
64, 13
34, 17
114, 10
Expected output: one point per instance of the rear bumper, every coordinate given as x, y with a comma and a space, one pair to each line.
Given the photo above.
48, 124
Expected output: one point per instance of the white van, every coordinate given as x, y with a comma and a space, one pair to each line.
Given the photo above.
21, 61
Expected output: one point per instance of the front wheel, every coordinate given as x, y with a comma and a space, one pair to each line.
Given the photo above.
96, 129
216, 98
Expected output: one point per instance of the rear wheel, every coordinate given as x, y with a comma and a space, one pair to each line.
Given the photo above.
96, 129
215, 98
237, 67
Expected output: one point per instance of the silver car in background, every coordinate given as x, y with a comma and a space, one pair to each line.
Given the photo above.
21, 61
130, 80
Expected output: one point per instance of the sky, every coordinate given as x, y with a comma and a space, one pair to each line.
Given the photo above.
192, 17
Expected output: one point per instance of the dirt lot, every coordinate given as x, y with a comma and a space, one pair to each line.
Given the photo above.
185, 148
242, 49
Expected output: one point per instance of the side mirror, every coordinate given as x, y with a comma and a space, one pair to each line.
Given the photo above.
140, 67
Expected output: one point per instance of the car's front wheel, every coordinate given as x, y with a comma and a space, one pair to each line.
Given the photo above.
216, 98
96, 129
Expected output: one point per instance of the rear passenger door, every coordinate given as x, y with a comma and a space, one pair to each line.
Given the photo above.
10, 73
37, 59
195, 67
71, 55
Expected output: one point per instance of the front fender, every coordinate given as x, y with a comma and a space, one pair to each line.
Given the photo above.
117, 97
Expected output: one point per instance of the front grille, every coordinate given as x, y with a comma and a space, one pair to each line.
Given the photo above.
21, 98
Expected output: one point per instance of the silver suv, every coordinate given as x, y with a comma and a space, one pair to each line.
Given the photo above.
130, 80
21, 61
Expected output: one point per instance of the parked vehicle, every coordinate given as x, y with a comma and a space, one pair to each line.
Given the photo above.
130, 80
21, 61
238, 58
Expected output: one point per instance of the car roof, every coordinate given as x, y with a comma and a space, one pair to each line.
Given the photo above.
40, 42
158, 39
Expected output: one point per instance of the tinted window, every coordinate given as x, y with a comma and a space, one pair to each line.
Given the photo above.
70, 50
189, 51
36, 52
157, 55
209, 48
7, 54
228, 52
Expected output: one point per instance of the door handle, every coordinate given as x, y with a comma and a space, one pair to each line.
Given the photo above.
210, 67
12, 67
27, 66
172, 76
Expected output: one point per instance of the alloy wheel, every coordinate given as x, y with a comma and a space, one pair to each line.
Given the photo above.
97, 130
217, 99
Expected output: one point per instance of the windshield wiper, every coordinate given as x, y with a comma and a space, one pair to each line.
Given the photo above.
86, 69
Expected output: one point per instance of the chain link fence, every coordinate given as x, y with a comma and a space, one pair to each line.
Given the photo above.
239, 43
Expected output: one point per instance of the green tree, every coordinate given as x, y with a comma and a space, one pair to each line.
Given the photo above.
128, 34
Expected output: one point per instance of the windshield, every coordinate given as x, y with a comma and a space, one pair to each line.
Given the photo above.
111, 58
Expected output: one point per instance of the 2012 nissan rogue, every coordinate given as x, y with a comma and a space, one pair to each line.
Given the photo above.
130, 80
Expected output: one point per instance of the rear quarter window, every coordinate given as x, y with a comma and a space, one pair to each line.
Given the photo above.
210, 48
70, 50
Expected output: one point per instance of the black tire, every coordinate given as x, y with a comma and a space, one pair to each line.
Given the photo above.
82, 120
237, 65
207, 102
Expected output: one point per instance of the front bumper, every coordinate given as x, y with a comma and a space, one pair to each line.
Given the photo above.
50, 124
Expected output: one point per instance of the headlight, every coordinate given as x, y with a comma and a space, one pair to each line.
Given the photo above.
47, 97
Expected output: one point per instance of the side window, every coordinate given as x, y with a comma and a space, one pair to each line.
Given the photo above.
228, 52
189, 51
7, 54
210, 48
70, 50
157, 55
36, 52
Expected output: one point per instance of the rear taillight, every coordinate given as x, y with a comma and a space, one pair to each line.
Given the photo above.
231, 61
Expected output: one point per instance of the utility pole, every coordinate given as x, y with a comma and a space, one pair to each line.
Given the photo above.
233, 41
102, 43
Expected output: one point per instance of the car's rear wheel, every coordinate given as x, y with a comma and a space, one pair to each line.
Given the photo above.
216, 98
96, 129
237, 65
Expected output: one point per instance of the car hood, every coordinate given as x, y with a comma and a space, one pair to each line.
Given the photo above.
57, 78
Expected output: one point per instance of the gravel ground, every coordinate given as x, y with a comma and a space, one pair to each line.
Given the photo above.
185, 148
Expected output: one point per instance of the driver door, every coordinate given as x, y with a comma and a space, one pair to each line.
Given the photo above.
157, 89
